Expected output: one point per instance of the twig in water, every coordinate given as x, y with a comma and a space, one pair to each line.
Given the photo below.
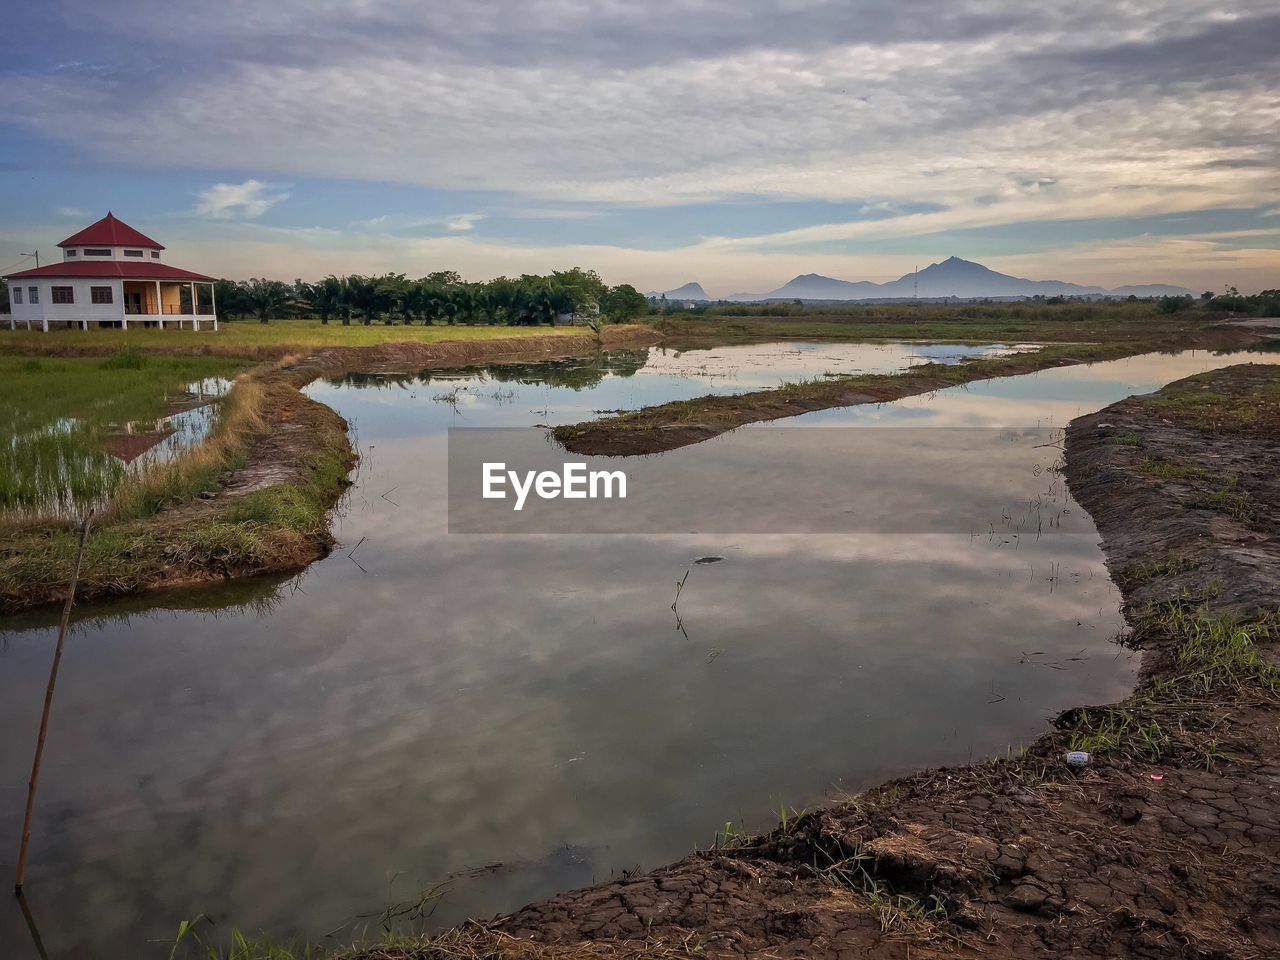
679, 587
48, 704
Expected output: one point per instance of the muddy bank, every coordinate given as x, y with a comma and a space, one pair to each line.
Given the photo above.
266, 512
1166, 845
671, 425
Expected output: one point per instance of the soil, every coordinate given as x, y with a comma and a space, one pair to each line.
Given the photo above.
1173, 856
672, 425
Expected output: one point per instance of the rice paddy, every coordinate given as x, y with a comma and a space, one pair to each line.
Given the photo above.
70, 428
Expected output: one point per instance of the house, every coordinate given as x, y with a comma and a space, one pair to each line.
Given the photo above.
113, 276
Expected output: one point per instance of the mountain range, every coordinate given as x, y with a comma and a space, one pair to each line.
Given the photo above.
952, 277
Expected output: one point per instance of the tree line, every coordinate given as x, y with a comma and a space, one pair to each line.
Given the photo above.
565, 296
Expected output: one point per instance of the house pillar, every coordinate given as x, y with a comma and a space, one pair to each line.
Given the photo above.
160, 307
213, 303
195, 310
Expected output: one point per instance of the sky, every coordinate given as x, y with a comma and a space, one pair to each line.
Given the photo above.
737, 144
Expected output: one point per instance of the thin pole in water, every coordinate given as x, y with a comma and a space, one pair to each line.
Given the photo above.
48, 703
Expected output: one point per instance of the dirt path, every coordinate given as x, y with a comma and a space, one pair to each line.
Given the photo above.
669, 426
1167, 845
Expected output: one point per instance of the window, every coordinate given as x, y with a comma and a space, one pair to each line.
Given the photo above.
71, 253
96, 252
33, 294
17, 294
62, 295
155, 254
133, 253
100, 294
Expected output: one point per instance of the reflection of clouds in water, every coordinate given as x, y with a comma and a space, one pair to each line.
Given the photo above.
421, 718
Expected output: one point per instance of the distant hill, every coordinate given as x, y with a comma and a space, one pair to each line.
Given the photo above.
690, 291
952, 277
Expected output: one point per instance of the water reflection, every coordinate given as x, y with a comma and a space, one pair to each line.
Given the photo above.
59, 468
524, 713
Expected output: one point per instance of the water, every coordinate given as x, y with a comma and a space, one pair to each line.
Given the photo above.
62, 467
523, 713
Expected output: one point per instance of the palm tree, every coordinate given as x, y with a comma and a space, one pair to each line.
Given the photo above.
265, 297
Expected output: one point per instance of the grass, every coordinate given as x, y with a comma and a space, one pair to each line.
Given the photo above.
253, 340
472, 941
996, 322
1215, 660
1194, 403
1168, 470
134, 544
56, 412
1237, 504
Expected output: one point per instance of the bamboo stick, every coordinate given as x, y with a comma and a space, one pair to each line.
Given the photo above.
48, 704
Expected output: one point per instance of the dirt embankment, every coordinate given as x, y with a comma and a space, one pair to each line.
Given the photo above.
1167, 845
267, 514
681, 423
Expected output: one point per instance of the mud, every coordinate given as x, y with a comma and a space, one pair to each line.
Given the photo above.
1172, 855
672, 425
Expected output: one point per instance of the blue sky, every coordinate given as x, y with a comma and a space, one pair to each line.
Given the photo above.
659, 143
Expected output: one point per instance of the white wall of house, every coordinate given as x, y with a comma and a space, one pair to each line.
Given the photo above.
82, 306
127, 254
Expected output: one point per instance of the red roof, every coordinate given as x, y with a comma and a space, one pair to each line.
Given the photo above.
110, 232
142, 270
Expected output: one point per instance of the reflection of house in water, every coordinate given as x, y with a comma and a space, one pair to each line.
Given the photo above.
130, 445
142, 442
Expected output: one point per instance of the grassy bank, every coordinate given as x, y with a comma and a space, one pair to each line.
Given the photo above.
252, 340
157, 529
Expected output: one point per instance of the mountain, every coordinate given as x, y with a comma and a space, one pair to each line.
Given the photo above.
690, 291
811, 286
952, 277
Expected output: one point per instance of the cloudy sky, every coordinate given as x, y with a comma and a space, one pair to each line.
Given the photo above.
735, 143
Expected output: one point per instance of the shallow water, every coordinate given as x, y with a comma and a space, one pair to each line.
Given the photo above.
524, 713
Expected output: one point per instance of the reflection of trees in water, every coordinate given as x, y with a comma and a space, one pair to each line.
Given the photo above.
576, 373
231, 598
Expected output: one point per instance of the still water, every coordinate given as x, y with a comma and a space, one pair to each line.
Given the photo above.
519, 714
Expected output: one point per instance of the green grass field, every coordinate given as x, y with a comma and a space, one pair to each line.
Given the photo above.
56, 411
254, 340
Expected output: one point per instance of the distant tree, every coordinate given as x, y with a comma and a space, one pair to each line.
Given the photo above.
1207, 295
1173, 304
265, 298
622, 303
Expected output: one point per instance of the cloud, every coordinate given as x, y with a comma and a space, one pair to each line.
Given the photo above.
70, 212
464, 221
238, 201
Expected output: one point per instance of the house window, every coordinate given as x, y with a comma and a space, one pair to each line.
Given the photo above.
62, 295
17, 294
133, 253
155, 254
100, 294
96, 252
33, 294
71, 253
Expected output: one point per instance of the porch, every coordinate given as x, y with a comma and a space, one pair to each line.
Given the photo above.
154, 303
